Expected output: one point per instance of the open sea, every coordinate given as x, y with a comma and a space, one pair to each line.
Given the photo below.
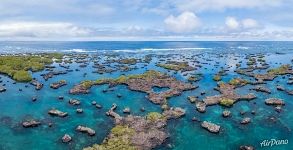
16, 106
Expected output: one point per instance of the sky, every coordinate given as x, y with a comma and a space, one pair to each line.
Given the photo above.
137, 20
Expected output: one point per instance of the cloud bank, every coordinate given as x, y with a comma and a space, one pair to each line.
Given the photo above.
42, 30
146, 19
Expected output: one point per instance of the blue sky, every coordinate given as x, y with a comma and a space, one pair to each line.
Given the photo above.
146, 20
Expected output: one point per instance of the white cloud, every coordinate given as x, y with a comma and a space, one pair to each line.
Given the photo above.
59, 7
41, 30
232, 23
185, 22
250, 23
245, 24
209, 5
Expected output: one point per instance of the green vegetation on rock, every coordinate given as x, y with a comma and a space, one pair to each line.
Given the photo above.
172, 66
119, 139
283, 69
87, 84
22, 76
238, 82
217, 78
226, 102
130, 61
120, 130
151, 74
154, 116
18, 66
192, 78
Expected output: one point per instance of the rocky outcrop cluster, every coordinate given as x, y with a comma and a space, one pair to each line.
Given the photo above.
227, 97
31, 123
262, 89
38, 85
270, 75
177, 66
59, 84
274, 101
144, 83
137, 132
51, 74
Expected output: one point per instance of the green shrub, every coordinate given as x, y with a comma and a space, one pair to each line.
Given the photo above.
119, 140
22, 76
280, 70
217, 78
238, 82
16, 66
120, 130
130, 61
226, 102
154, 116
87, 84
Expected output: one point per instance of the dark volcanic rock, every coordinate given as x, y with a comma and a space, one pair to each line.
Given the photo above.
38, 85
74, 102
79, 89
174, 113
66, 138
126, 110
51, 74
211, 127
274, 101
85, 129
246, 147
31, 123
245, 120
57, 85
2, 89
262, 89
79, 110
200, 106
226, 113
55, 112
192, 99
280, 88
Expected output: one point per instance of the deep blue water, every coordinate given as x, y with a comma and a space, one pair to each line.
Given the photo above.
92, 46
17, 106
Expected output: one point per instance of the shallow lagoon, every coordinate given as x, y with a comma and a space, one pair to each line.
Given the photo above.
17, 106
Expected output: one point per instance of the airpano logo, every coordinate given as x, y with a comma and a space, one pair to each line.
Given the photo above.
273, 142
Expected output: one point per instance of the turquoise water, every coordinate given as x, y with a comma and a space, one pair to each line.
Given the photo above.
16, 106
